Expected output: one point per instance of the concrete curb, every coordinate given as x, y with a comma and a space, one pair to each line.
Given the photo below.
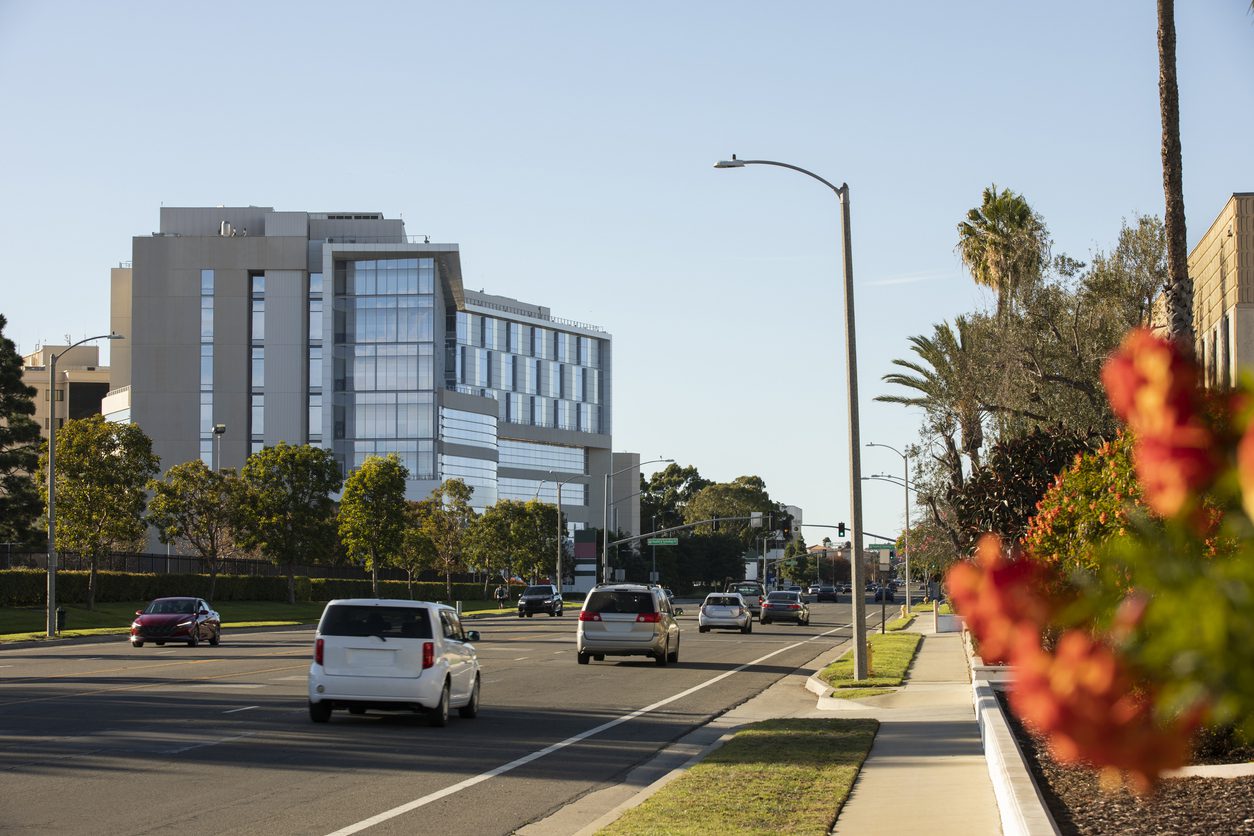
125, 637
1019, 802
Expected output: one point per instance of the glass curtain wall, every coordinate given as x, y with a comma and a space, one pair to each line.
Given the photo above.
257, 376
206, 367
383, 399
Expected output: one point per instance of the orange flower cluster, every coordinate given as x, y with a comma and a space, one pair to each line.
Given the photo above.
1152, 386
1080, 696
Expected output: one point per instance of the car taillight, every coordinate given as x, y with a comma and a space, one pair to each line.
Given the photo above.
794, 606
428, 654
648, 618
760, 599
703, 608
589, 616
318, 652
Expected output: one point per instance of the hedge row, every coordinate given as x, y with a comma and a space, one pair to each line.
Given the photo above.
29, 587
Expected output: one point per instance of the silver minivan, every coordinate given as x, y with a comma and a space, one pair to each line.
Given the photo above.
627, 619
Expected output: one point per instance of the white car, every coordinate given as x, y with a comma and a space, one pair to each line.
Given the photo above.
724, 609
393, 655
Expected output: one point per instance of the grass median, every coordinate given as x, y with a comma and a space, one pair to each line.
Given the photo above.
891, 655
114, 617
778, 776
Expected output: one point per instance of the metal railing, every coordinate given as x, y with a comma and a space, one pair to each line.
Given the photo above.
533, 314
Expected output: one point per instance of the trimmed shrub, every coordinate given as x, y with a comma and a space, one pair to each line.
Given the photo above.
325, 589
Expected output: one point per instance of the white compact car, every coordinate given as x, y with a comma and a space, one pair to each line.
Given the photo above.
393, 655
725, 609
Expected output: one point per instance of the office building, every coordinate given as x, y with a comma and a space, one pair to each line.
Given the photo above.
340, 330
1222, 269
80, 386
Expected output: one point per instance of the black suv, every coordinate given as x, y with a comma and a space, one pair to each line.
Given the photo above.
544, 598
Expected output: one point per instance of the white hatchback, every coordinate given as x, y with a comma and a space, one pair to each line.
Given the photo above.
393, 655
724, 609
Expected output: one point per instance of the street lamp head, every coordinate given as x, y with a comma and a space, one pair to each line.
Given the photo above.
116, 337
732, 163
219, 429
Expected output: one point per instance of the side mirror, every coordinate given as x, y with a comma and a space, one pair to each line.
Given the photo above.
679, 611
139, 612
203, 612
472, 635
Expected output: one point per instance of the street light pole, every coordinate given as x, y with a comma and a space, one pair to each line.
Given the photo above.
905, 457
52, 479
855, 453
605, 519
218, 431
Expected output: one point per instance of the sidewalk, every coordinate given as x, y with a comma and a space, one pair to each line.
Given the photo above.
926, 769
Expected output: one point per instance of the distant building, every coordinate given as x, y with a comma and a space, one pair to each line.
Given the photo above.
1222, 269
80, 386
338, 329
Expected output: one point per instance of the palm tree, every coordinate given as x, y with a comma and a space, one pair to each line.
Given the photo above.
1179, 285
1004, 244
946, 380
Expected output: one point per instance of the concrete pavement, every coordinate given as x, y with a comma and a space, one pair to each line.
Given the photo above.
926, 769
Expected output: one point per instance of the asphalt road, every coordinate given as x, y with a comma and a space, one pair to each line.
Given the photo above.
105, 738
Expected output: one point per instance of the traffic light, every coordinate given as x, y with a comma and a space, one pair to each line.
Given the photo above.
892, 553
840, 529
785, 528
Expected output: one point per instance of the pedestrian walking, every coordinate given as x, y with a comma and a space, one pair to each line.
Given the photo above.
501, 595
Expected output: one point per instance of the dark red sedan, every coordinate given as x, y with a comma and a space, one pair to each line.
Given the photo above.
189, 620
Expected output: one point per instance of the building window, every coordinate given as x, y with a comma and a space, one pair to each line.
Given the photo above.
258, 367
534, 455
258, 430
315, 418
470, 428
206, 366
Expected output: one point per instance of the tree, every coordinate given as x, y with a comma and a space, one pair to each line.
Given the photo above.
1004, 244
290, 516
417, 552
444, 519
666, 493
199, 507
1179, 286
19, 448
738, 498
514, 538
372, 513
102, 472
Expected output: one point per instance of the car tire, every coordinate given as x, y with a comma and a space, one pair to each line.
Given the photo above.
194, 640
552, 613
703, 629
530, 614
673, 657
662, 658
471, 709
520, 614
437, 716
217, 639
764, 621
559, 612
319, 712
137, 644
583, 658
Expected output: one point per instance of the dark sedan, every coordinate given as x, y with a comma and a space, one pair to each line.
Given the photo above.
542, 598
785, 606
189, 620
826, 593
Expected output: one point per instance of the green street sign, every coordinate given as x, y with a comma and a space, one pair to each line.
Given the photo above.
882, 547
662, 541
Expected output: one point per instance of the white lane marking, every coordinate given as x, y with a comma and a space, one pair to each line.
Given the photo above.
6, 666
164, 652
226, 685
300, 678
570, 741
89, 659
210, 743
245, 708
521, 658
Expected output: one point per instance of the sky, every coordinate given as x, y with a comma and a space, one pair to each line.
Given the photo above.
567, 148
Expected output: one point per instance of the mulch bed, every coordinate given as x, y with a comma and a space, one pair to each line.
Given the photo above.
1180, 805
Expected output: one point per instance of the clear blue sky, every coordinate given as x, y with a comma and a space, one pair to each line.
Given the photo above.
567, 147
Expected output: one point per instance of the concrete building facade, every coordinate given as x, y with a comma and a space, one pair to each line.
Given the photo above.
1222, 269
80, 386
338, 329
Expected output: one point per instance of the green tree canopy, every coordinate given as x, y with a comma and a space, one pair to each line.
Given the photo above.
738, 498
372, 514
666, 493
201, 508
515, 538
444, 519
102, 472
290, 516
19, 448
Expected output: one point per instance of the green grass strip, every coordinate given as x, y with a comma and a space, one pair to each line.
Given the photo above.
778, 776
930, 605
891, 654
900, 623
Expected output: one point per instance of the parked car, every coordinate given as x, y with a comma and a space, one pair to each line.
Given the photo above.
785, 606
542, 598
627, 619
393, 655
189, 620
752, 592
826, 593
724, 609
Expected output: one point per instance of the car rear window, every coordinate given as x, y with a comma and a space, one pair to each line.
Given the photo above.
387, 622
722, 601
782, 596
619, 601
538, 590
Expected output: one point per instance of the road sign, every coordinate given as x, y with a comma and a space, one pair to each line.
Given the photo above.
662, 541
884, 564
882, 547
